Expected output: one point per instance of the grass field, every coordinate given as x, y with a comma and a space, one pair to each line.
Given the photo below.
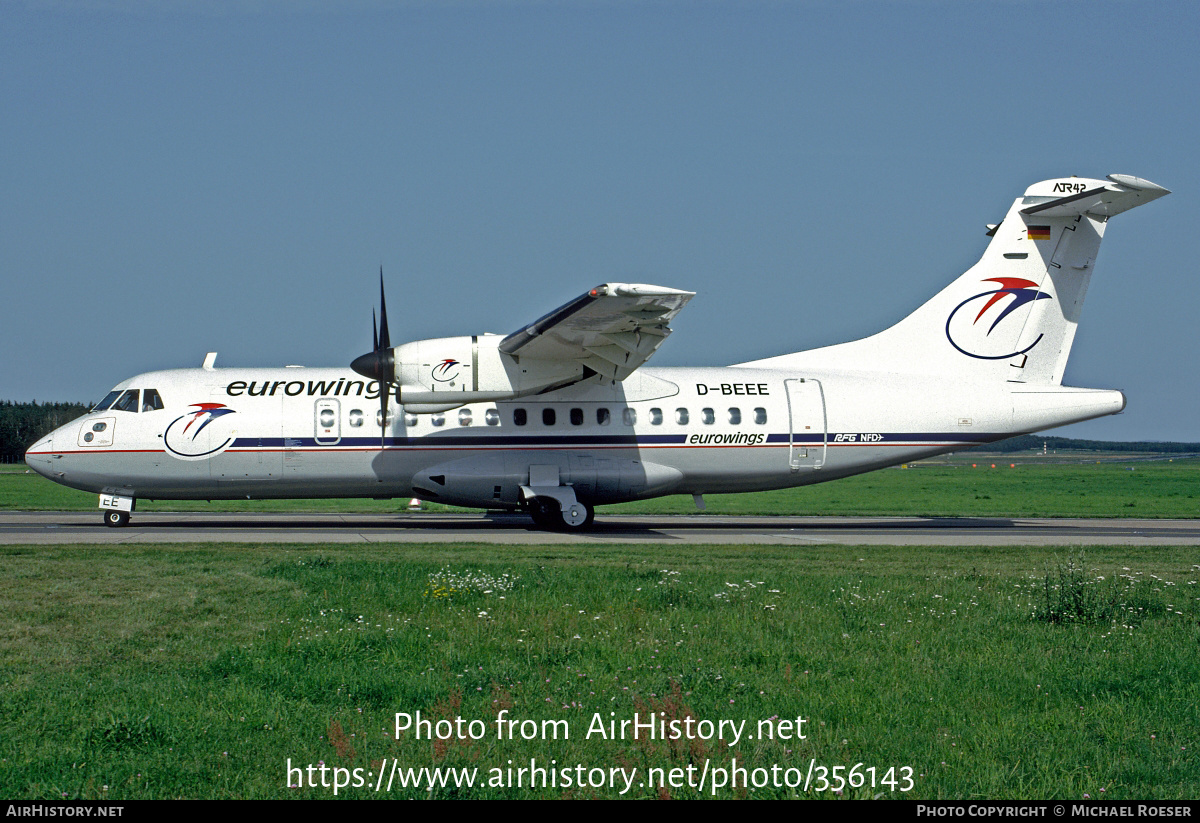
1081, 488
199, 671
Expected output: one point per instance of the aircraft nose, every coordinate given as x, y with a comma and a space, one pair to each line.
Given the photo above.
40, 457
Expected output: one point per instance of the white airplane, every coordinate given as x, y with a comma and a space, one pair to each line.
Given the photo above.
561, 415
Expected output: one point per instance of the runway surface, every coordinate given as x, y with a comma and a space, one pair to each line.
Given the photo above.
208, 527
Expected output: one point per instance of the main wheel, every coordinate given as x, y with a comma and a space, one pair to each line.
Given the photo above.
544, 512
116, 518
563, 519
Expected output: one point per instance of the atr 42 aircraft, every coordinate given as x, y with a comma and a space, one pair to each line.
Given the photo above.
561, 415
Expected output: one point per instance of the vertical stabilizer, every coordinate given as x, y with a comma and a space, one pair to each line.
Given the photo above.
1012, 316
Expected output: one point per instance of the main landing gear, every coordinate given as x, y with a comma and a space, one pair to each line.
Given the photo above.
553, 505
549, 514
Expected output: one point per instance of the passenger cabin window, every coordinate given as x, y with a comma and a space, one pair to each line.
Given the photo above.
735, 416
127, 402
681, 416
410, 420
548, 417
629, 416
576, 417
603, 418
464, 417
151, 401
760, 415
106, 402
491, 417
520, 418
356, 418
437, 419
708, 417
656, 417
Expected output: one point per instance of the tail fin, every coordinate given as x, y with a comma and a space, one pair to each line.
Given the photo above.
1012, 316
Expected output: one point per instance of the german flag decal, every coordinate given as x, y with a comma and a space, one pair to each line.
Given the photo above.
1038, 232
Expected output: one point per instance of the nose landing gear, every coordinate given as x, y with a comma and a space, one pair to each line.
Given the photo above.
116, 518
117, 508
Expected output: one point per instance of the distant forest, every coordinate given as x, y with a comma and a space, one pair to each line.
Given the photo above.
1034, 442
21, 424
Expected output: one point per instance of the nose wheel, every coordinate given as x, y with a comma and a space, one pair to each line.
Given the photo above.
115, 518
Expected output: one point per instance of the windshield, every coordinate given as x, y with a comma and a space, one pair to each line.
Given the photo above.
128, 402
107, 401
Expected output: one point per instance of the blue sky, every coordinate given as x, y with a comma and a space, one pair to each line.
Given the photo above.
184, 177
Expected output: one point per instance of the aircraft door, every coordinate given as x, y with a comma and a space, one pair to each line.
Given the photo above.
806, 414
328, 422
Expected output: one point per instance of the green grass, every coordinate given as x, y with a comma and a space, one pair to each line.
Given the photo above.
198, 671
1165, 488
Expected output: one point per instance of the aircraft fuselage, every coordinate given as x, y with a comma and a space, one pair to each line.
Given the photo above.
301, 432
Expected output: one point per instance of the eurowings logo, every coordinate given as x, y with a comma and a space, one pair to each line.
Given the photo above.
446, 371
971, 331
184, 440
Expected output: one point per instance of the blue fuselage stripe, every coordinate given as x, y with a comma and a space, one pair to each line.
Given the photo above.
630, 440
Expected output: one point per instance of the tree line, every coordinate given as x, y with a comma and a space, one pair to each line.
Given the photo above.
1034, 442
22, 424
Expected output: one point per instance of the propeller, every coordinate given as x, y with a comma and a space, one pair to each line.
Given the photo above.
379, 363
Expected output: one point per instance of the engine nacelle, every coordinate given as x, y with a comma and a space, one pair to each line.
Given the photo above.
452, 371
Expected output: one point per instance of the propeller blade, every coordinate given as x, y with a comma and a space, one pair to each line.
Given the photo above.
385, 340
380, 363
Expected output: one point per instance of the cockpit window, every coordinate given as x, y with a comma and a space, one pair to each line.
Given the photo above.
128, 402
151, 401
107, 401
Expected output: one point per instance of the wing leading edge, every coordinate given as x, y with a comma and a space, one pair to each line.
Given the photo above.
611, 329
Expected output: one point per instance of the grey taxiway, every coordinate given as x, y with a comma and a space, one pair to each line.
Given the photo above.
421, 527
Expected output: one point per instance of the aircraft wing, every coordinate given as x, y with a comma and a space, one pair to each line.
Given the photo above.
611, 329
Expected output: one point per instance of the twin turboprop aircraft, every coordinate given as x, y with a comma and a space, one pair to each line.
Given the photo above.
561, 415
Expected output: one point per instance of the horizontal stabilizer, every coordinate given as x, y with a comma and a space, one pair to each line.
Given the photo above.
1123, 193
